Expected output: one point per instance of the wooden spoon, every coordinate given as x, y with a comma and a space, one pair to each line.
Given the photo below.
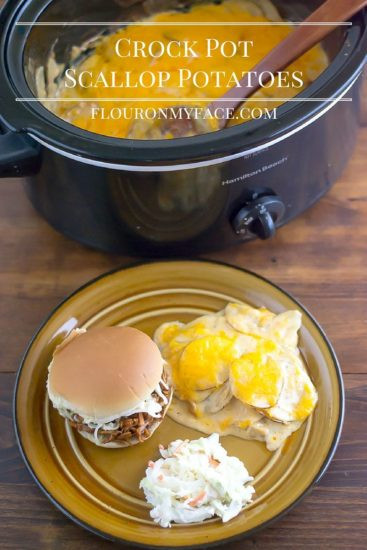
293, 46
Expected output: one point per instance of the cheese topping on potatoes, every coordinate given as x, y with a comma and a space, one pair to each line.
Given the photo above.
240, 372
108, 76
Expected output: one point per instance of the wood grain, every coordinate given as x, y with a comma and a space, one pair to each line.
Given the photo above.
364, 97
321, 258
340, 500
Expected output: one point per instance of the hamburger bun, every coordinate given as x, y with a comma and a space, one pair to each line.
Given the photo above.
106, 374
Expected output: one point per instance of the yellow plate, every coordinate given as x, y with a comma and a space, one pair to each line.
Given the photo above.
98, 488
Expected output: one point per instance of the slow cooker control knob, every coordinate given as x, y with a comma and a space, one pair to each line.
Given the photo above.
259, 217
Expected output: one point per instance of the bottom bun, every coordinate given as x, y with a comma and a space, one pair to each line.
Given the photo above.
134, 440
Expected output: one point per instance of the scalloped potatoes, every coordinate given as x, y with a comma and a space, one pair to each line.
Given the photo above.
240, 372
92, 112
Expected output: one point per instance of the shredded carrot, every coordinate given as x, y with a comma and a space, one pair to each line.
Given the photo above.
160, 477
195, 501
213, 462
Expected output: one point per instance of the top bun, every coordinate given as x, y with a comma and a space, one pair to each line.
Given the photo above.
102, 372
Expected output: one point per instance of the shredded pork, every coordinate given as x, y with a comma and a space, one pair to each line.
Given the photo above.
137, 426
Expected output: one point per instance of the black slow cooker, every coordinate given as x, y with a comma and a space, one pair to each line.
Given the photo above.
177, 196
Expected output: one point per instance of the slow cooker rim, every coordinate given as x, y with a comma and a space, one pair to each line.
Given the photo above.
184, 164
50, 130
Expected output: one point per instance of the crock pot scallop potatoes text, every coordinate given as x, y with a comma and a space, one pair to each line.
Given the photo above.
131, 81
239, 372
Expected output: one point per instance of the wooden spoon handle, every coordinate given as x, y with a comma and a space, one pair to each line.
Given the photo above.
292, 47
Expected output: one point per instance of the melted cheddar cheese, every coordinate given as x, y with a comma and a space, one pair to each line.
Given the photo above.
105, 60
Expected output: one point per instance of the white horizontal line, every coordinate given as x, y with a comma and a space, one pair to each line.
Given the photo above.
183, 24
196, 99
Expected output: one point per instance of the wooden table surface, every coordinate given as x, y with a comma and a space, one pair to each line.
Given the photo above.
321, 258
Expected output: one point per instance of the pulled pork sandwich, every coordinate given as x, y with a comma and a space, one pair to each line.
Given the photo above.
110, 384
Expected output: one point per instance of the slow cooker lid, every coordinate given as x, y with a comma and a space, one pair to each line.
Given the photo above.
34, 118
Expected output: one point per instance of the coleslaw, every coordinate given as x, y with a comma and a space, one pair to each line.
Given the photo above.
196, 480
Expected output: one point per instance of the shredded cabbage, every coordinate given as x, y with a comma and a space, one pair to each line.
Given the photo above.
149, 406
196, 480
